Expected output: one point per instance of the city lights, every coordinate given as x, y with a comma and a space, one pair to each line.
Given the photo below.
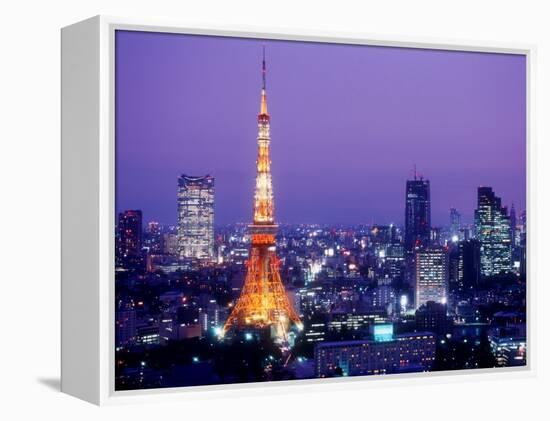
390, 280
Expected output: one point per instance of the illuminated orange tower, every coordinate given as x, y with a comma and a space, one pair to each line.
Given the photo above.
263, 301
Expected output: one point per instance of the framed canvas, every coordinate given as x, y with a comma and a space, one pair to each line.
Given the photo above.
248, 210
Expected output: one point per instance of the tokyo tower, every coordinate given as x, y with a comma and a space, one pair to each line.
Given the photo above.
263, 302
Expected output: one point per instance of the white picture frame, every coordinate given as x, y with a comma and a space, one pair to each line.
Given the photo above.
88, 165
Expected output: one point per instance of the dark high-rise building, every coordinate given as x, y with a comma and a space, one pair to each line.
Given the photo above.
129, 241
469, 265
417, 213
196, 217
493, 232
454, 263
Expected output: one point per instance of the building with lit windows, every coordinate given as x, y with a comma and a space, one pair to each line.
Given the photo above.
129, 239
384, 353
417, 213
508, 351
210, 317
153, 238
492, 225
148, 335
431, 275
196, 217
315, 332
395, 261
342, 321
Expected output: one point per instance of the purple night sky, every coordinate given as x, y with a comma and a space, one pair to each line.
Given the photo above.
347, 125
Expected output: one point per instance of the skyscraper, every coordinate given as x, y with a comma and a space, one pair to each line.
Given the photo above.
263, 301
432, 276
196, 217
493, 232
417, 213
129, 241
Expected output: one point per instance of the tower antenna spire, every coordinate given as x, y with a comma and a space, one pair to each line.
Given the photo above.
263, 67
263, 106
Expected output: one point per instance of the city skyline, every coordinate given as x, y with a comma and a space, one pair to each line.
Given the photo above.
349, 185
259, 302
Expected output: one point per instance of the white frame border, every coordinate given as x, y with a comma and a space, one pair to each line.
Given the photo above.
107, 394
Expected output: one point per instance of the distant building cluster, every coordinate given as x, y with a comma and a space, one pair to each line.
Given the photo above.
449, 297
438, 290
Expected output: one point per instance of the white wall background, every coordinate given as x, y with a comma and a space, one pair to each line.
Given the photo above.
29, 207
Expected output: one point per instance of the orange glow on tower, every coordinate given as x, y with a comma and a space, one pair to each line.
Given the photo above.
263, 301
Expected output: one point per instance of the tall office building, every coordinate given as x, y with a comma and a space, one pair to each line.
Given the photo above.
432, 275
196, 217
493, 232
130, 239
455, 222
417, 213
